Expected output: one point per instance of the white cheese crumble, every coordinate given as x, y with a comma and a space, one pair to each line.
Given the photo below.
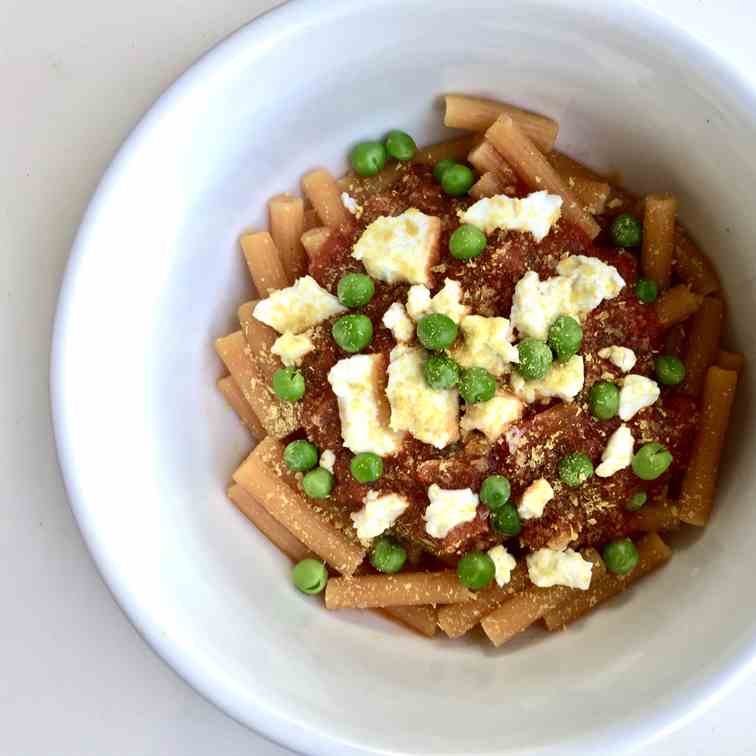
351, 204
582, 284
548, 567
492, 417
401, 248
378, 514
637, 393
563, 381
327, 460
536, 213
431, 416
504, 563
447, 302
618, 453
448, 508
397, 321
358, 382
487, 343
292, 348
620, 356
535, 498
298, 307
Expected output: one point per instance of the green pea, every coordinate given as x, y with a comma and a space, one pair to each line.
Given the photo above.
288, 384
457, 179
651, 461
636, 501
535, 359
366, 467
495, 491
368, 158
300, 456
565, 337
352, 332
476, 385
310, 576
621, 556
506, 520
669, 370
400, 145
626, 231
604, 399
441, 372
440, 168
646, 290
476, 570
467, 242
387, 555
355, 290
436, 331
318, 483
575, 469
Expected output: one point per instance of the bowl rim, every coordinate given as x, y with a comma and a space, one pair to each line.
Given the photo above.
258, 34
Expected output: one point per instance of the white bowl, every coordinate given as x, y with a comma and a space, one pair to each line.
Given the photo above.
147, 445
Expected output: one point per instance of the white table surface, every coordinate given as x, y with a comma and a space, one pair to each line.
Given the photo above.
76, 678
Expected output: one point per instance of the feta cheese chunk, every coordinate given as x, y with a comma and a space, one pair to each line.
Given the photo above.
351, 204
400, 249
563, 381
620, 356
431, 416
448, 508
292, 348
492, 417
618, 453
487, 343
327, 460
547, 567
637, 393
447, 302
378, 514
582, 285
396, 320
504, 563
536, 213
298, 307
535, 498
358, 384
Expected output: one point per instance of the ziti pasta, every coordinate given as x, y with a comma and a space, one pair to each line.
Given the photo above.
482, 376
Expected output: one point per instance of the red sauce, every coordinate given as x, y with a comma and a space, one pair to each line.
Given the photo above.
532, 448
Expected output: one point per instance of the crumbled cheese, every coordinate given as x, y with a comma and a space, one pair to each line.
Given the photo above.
447, 302
378, 514
430, 415
582, 284
487, 343
401, 248
534, 499
298, 307
618, 453
637, 392
563, 381
327, 460
351, 204
292, 348
396, 320
620, 356
358, 382
536, 213
492, 417
504, 563
548, 567
448, 508
614, 203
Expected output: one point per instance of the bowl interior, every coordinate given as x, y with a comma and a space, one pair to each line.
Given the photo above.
148, 446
